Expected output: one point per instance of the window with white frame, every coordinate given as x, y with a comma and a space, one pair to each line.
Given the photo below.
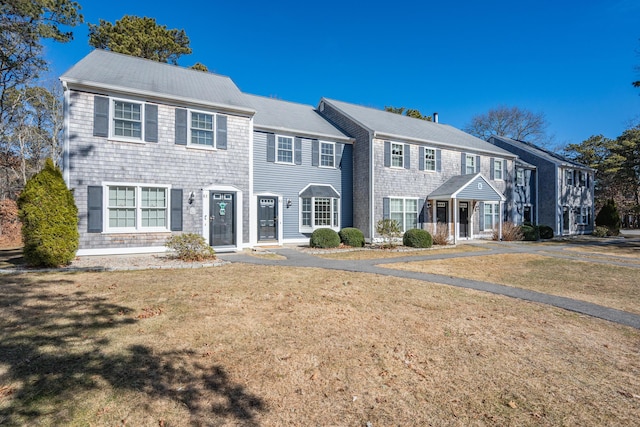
127, 119
137, 208
582, 215
491, 216
582, 177
568, 177
429, 159
497, 169
397, 155
202, 129
520, 177
470, 164
327, 154
405, 211
285, 149
319, 212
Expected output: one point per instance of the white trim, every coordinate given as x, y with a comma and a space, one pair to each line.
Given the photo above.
404, 209
238, 212
66, 170
424, 160
468, 156
320, 154
138, 208
253, 208
122, 251
402, 146
254, 226
112, 119
293, 150
214, 130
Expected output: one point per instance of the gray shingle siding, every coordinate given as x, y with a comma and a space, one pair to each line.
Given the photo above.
95, 160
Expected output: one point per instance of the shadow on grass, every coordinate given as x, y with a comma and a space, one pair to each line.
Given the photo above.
51, 350
11, 258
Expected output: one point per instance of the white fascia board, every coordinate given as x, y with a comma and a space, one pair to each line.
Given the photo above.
302, 133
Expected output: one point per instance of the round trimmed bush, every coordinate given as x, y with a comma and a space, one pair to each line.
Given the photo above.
324, 238
352, 237
49, 219
546, 232
190, 247
417, 238
530, 232
600, 231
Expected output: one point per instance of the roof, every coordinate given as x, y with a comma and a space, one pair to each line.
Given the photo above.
456, 184
388, 125
124, 73
522, 163
300, 119
540, 152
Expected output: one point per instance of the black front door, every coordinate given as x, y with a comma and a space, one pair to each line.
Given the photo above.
441, 212
222, 224
267, 218
464, 219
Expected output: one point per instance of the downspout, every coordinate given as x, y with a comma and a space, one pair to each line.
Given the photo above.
372, 204
66, 173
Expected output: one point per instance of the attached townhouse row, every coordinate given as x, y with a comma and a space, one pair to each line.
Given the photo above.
153, 149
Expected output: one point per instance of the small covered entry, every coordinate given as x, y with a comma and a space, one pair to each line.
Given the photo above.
460, 203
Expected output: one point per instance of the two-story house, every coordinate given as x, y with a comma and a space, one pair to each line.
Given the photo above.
151, 149
422, 173
565, 189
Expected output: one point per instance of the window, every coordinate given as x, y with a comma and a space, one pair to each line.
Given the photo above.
327, 157
429, 159
497, 169
582, 176
527, 214
397, 155
582, 215
568, 177
405, 211
319, 212
202, 129
470, 162
127, 119
285, 149
491, 216
136, 208
520, 177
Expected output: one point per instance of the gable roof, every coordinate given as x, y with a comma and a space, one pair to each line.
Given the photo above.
386, 125
540, 152
290, 117
129, 74
454, 186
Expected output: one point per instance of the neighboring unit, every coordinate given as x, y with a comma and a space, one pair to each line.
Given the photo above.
565, 192
423, 173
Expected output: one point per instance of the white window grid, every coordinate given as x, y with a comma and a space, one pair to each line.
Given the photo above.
132, 208
327, 154
397, 155
202, 129
470, 162
497, 169
405, 212
128, 119
491, 216
429, 159
284, 149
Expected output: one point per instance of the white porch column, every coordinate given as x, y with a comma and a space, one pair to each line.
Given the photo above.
455, 221
500, 221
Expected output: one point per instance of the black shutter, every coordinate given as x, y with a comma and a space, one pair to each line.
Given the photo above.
463, 162
407, 156
315, 152
386, 210
297, 150
176, 209
221, 132
100, 116
387, 154
151, 123
477, 164
481, 218
181, 126
338, 148
423, 217
421, 159
94, 209
506, 175
438, 160
492, 170
271, 147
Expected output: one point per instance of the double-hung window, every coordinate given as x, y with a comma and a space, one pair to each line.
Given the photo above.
127, 119
470, 162
429, 159
568, 177
497, 169
327, 157
405, 212
137, 208
319, 212
582, 215
397, 155
284, 149
491, 216
202, 129
520, 177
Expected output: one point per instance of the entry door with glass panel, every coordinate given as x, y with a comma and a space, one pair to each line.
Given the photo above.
464, 219
441, 212
222, 223
267, 218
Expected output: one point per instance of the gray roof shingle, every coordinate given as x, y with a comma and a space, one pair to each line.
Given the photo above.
391, 125
300, 119
540, 152
124, 73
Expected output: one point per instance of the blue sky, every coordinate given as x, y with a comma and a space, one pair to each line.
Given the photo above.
571, 60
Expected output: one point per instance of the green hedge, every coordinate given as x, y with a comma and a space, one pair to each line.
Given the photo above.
530, 232
546, 232
352, 237
324, 238
417, 238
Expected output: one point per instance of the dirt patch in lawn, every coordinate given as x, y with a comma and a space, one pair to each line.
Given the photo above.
255, 345
611, 286
377, 253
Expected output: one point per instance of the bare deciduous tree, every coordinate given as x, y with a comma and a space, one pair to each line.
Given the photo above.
511, 122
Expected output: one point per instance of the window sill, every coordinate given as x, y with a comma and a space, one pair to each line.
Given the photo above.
285, 163
312, 229
201, 148
326, 167
136, 231
131, 141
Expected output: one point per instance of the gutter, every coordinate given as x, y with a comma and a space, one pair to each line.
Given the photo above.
304, 133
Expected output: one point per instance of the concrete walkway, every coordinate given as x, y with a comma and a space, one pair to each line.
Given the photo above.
297, 258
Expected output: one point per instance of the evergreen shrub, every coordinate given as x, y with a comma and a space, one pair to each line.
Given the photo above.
609, 217
352, 237
600, 231
417, 238
190, 247
49, 219
545, 232
530, 232
324, 238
